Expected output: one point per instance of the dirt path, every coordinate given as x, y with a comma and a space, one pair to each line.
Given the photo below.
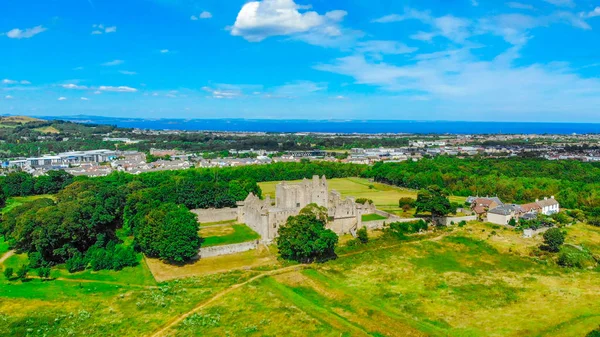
200, 306
7, 255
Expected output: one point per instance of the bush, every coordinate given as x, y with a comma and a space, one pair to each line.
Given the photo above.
406, 202
462, 223
8, 273
363, 201
553, 239
574, 258
363, 235
35, 260
76, 263
22, 272
44, 272
353, 243
595, 333
400, 229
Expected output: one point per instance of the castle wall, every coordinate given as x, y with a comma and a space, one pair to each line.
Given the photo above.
227, 249
215, 215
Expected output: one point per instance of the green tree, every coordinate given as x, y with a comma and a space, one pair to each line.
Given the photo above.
594, 333
8, 273
362, 235
406, 202
512, 222
435, 201
22, 272
553, 240
305, 239
317, 211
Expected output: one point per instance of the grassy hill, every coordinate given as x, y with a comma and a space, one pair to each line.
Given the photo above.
18, 120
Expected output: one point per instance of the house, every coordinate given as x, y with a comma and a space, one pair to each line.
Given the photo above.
480, 206
502, 214
549, 206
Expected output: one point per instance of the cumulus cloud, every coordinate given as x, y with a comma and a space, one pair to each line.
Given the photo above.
126, 72
8, 97
85, 99
164, 51
258, 20
194, 18
225, 91
116, 89
205, 15
62, 98
17, 33
7, 81
113, 63
594, 13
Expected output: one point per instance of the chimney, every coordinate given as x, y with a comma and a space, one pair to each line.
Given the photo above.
537, 200
545, 198
552, 197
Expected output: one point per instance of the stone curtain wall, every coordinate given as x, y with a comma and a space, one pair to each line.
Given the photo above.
448, 221
227, 249
216, 215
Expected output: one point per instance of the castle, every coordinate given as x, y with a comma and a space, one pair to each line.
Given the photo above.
266, 216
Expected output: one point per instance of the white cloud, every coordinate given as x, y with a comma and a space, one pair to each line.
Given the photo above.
518, 5
7, 81
592, 14
448, 26
474, 3
258, 20
164, 51
8, 97
376, 47
100, 29
297, 89
97, 92
126, 72
84, 99
227, 91
78, 68
74, 86
62, 98
205, 15
460, 79
561, 3
194, 18
17, 33
113, 63
117, 89
25, 82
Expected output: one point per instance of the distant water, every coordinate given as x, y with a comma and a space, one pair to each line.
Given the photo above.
351, 126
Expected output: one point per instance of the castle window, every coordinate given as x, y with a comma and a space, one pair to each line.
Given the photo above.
297, 204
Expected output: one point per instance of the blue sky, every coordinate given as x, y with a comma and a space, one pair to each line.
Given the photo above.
480, 60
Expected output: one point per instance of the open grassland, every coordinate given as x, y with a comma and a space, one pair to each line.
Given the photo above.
48, 129
384, 196
478, 280
227, 235
13, 202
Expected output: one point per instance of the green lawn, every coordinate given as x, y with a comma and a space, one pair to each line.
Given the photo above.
226, 235
384, 196
13, 202
372, 217
3, 246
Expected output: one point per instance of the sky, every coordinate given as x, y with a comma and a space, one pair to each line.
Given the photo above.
471, 60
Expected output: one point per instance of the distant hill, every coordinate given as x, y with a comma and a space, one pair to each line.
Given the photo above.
18, 120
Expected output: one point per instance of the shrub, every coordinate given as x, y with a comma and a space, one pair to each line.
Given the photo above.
44, 272
553, 239
363, 235
22, 272
400, 229
363, 201
595, 333
462, 223
406, 202
8, 273
76, 263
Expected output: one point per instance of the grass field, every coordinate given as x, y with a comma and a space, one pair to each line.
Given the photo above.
478, 280
13, 202
372, 217
384, 196
48, 129
227, 235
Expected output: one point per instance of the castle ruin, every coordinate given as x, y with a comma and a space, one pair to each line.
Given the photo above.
266, 216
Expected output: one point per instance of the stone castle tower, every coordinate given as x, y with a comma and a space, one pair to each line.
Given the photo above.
291, 196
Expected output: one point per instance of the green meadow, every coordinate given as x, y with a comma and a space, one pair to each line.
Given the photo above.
477, 280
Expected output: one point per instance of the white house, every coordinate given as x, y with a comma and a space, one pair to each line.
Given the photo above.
549, 206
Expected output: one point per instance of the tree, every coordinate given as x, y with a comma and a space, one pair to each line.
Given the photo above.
362, 235
169, 232
406, 202
512, 222
317, 211
435, 201
553, 239
8, 273
594, 333
22, 272
305, 239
